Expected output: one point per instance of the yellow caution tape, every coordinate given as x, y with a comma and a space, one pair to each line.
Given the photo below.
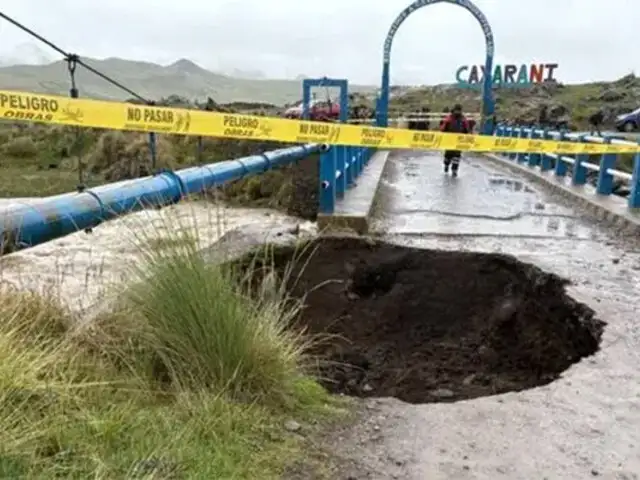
34, 107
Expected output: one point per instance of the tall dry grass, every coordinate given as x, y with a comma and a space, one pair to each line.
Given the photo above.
191, 373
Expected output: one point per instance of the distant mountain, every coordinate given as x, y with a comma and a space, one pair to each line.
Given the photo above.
26, 54
247, 74
153, 81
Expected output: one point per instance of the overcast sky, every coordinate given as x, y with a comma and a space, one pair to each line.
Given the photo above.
589, 39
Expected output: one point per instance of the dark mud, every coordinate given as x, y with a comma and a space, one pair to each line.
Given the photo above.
435, 326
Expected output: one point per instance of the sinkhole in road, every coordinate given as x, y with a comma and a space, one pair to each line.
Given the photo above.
434, 326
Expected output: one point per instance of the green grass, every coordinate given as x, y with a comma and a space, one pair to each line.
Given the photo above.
190, 374
523, 104
37, 161
33, 182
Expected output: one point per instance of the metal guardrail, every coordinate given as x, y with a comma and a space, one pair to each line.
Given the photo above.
407, 117
580, 164
339, 168
26, 225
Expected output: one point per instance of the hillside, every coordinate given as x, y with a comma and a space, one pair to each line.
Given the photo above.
571, 103
153, 81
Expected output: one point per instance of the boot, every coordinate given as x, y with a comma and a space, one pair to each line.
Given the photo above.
447, 162
455, 164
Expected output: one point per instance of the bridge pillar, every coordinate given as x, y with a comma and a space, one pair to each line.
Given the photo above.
336, 164
605, 179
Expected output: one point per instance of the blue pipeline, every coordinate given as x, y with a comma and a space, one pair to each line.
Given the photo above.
54, 217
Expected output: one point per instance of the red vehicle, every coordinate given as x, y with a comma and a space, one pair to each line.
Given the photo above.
318, 110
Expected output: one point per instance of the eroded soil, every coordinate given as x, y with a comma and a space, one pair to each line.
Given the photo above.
435, 326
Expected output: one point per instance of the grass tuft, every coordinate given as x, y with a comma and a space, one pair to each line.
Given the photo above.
192, 373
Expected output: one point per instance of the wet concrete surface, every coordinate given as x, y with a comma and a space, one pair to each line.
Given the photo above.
611, 208
481, 201
584, 425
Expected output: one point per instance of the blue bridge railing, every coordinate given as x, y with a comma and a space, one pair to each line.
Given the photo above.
579, 166
339, 168
27, 225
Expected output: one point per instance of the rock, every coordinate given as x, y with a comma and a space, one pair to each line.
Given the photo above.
442, 393
611, 96
469, 380
292, 426
556, 111
627, 80
295, 230
486, 352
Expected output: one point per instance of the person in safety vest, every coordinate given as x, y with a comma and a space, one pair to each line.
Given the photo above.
455, 122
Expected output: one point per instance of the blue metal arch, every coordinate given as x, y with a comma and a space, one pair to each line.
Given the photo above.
488, 105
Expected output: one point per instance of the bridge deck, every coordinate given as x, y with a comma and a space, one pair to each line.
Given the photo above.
482, 201
580, 426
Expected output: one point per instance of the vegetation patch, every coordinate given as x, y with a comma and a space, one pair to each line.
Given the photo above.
188, 375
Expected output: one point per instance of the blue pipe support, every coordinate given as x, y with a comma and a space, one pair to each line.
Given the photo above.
351, 167
506, 132
534, 158
634, 195
334, 171
516, 133
521, 157
605, 179
54, 217
547, 161
561, 166
579, 171
341, 176
328, 168
359, 154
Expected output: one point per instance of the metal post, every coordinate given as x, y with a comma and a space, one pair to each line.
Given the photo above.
522, 157
634, 195
327, 201
307, 83
534, 158
561, 166
547, 161
153, 150
579, 176
334, 162
348, 175
515, 133
341, 152
605, 179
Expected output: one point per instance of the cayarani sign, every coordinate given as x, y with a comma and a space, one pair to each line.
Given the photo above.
507, 75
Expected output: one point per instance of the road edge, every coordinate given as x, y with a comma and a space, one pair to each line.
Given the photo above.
611, 209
